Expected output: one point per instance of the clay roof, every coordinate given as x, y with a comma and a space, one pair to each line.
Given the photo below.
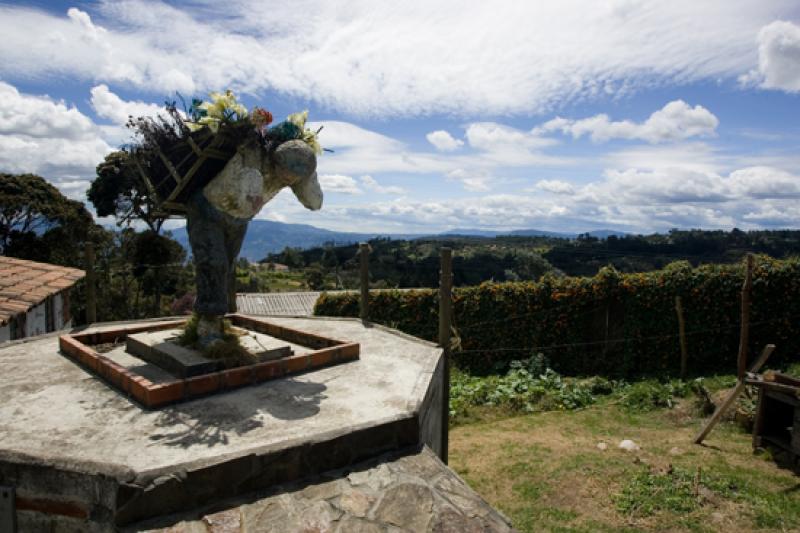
25, 284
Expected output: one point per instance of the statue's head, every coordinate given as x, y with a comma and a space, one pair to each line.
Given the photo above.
294, 164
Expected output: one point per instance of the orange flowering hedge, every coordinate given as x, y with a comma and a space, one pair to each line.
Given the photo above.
612, 324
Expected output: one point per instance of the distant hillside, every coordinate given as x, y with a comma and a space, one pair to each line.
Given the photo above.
600, 233
266, 236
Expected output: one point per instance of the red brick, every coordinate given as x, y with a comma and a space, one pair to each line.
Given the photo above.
200, 385
298, 363
237, 377
139, 390
51, 507
268, 370
69, 345
349, 351
322, 357
165, 393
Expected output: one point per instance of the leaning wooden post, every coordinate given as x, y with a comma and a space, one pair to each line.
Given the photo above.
363, 250
744, 335
682, 333
91, 294
726, 404
445, 328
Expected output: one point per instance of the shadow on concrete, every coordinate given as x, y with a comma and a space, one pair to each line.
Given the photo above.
291, 399
213, 421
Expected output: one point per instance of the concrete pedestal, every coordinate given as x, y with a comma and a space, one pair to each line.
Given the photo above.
81, 456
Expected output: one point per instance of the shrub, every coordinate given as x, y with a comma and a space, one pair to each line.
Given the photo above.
612, 324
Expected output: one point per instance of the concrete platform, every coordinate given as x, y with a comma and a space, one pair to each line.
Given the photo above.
162, 349
80, 453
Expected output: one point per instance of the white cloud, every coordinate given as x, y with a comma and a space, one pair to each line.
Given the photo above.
676, 121
40, 116
778, 58
372, 185
443, 141
555, 186
395, 60
108, 105
494, 136
358, 150
339, 183
473, 180
627, 199
46, 137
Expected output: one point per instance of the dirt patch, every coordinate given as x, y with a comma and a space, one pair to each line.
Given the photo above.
546, 472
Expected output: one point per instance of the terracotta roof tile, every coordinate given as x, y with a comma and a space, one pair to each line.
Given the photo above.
25, 284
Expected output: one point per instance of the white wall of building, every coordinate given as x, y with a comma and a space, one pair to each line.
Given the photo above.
36, 321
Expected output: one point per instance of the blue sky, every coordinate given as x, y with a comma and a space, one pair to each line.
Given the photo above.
565, 116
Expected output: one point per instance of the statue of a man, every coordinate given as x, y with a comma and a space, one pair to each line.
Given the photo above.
217, 217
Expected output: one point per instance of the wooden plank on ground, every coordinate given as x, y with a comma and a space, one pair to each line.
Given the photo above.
740, 385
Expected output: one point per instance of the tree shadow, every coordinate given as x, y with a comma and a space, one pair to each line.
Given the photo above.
212, 421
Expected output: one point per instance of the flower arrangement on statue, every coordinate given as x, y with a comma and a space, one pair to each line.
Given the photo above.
184, 149
225, 109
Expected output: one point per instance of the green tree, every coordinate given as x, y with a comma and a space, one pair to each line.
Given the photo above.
120, 192
157, 264
38, 222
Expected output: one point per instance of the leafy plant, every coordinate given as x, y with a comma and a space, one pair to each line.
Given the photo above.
650, 394
520, 390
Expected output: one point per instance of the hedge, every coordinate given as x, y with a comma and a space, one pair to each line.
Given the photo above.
612, 324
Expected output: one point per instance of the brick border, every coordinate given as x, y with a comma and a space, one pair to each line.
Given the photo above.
326, 352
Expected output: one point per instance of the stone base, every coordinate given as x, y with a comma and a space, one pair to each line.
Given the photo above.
161, 349
83, 457
413, 492
157, 348
130, 379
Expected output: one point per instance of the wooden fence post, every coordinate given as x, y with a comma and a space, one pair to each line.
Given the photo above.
91, 292
445, 329
363, 250
744, 335
682, 333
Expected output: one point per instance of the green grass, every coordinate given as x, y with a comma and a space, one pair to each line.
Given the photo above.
545, 471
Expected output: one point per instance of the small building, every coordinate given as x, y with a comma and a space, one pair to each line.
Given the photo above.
34, 297
276, 267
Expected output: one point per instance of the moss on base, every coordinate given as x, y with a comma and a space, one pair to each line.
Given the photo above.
227, 349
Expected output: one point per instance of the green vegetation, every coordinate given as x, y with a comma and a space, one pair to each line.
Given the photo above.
228, 349
415, 263
39, 223
614, 324
563, 471
264, 278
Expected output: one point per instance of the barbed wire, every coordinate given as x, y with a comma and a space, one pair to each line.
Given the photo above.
619, 339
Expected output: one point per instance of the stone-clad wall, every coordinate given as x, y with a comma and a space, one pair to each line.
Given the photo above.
415, 492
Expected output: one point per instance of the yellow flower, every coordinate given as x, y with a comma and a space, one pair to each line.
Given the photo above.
298, 119
310, 138
212, 123
240, 110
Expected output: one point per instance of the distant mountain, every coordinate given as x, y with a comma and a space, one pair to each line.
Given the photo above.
469, 233
266, 236
606, 233
600, 234
540, 233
